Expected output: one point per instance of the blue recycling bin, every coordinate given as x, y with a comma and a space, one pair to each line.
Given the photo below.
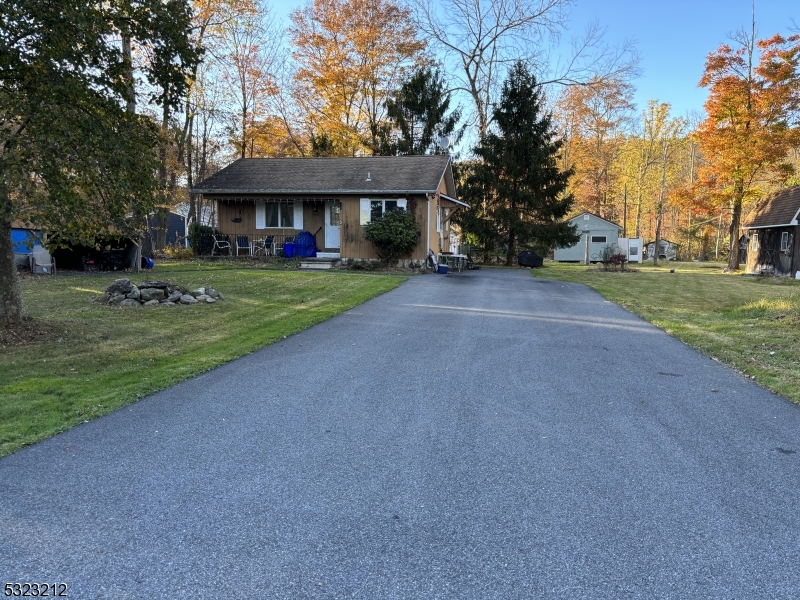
288, 249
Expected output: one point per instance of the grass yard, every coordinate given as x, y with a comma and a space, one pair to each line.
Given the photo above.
78, 360
749, 323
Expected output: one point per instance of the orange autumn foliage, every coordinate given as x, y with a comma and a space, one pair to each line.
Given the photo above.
752, 121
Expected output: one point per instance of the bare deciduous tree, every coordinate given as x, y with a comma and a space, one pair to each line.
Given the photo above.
485, 36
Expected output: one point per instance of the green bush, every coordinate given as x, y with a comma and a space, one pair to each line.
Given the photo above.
200, 238
394, 235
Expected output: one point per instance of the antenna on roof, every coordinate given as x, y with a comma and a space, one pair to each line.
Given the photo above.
445, 142
368, 177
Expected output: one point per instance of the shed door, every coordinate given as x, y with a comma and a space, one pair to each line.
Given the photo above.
333, 223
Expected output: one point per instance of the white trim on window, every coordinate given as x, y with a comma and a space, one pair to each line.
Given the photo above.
784, 241
365, 207
298, 214
261, 221
364, 212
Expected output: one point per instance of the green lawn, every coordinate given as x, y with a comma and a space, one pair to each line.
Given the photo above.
80, 359
749, 323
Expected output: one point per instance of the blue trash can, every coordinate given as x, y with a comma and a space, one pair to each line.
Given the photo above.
288, 249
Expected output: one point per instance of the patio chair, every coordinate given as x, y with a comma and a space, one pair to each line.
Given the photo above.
41, 261
264, 245
220, 243
243, 243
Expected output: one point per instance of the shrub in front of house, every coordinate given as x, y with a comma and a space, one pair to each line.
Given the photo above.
394, 235
200, 238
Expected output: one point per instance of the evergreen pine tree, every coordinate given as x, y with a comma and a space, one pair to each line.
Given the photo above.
517, 192
418, 112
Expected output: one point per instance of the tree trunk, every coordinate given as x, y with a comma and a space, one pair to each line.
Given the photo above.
736, 217
11, 307
639, 213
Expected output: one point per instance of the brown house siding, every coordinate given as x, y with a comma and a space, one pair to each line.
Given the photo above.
352, 242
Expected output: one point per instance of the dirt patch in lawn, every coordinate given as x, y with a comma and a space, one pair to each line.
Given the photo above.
31, 331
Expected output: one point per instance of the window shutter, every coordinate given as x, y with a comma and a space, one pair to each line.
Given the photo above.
401, 203
298, 214
261, 222
365, 211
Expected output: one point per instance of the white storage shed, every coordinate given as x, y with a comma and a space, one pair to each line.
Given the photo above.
600, 232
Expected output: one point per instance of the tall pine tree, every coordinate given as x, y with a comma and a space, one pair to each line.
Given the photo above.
517, 192
417, 116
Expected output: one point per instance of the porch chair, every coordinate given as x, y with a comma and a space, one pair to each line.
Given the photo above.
220, 243
243, 243
41, 261
264, 245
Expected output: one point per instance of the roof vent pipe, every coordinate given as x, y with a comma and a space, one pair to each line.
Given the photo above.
368, 177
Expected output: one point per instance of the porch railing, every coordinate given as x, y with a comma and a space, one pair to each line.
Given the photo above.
228, 244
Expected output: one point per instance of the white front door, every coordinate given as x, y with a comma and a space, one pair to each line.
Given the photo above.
333, 222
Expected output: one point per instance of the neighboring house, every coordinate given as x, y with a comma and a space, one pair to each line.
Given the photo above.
772, 227
333, 198
601, 233
669, 250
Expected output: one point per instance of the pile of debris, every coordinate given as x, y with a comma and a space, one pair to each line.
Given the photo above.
155, 293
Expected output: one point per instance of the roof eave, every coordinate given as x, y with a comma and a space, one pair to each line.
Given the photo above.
244, 192
446, 197
792, 224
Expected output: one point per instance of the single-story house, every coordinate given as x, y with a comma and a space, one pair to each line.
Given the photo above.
669, 250
600, 233
333, 198
771, 228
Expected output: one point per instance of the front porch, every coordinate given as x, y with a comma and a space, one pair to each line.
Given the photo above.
263, 226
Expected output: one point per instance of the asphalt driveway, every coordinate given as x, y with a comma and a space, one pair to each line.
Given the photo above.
484, 435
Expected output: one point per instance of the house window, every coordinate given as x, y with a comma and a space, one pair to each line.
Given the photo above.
754, 242
598, 239
784, 241
279, 214
372, 210
634, 251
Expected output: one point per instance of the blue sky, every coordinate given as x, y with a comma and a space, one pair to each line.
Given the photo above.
674, 37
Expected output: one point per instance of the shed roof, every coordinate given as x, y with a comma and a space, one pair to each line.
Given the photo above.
354, 175
586, 212
776, 209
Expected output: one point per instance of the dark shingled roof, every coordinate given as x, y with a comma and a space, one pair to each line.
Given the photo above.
778, 208
387, 174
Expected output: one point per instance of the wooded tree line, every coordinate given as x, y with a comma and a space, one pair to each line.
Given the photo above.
360, 77
114, 111
689, 178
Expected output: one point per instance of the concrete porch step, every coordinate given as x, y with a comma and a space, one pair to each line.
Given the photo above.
317, 264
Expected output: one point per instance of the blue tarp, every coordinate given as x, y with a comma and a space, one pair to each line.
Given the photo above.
21, 240
305, 245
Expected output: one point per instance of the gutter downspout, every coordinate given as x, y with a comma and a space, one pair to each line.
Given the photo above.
428, 230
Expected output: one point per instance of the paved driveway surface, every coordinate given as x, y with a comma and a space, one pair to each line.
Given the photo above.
484, 435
